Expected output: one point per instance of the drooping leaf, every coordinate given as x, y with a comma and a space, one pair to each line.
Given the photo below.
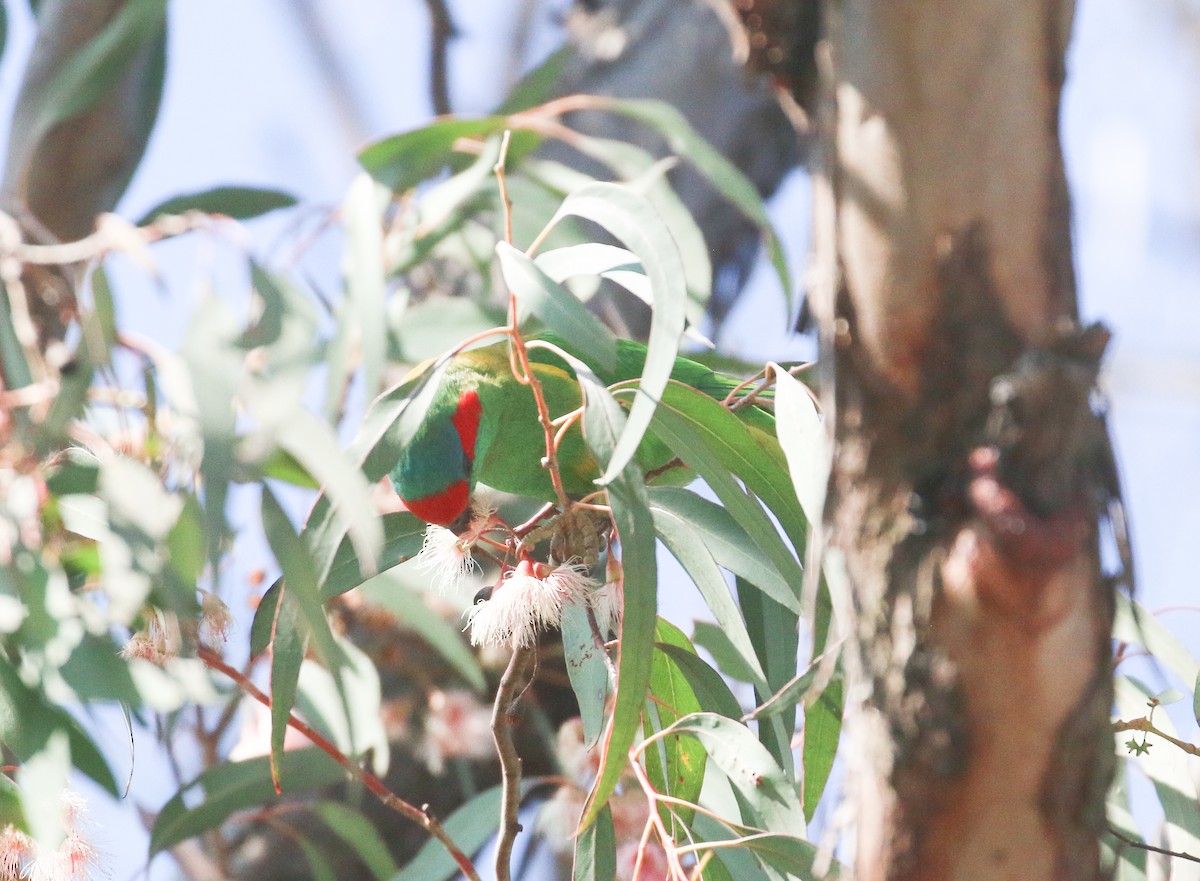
775, 632
27, 719
696, 549
238, 202
603, 422
360, 835
706, 683
556, 306
632, 220
690, 550
402, 161
207, 801
725, 177
586, 669
822, 733
403, 534
722, 535
321, 868
674, 764
596, 850
765, 789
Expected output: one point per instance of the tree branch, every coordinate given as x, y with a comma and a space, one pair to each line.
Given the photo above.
516, 679
1141, 845
410, 812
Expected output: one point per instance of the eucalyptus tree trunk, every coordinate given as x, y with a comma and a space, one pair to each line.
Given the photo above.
970, 471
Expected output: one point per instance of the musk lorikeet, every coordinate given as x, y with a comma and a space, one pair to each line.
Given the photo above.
482, 427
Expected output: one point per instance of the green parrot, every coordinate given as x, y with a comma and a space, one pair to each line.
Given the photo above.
479, 402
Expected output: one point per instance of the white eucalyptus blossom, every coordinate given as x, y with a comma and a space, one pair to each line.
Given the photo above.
523, 605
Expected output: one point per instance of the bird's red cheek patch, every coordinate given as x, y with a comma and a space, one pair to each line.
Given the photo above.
466, 421
441, 508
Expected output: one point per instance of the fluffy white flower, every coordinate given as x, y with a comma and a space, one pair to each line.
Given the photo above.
446, 556
523, 605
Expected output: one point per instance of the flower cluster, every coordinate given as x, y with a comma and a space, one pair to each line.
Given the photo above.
21, 859
523, 605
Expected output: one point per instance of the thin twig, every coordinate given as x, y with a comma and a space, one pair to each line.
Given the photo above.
518, 355
410, 812
1141, 845
1145, 725
443, 31
516, 679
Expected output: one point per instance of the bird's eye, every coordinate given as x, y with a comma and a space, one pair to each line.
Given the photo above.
483, 595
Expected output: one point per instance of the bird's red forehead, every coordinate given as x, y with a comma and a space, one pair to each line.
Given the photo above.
441, 508
466, 420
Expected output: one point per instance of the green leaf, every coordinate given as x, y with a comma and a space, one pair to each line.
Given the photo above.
409, 606
750, 454
538, 85
98, 325
679, 768
725, 177
360, 836
722, 535
12, 813
321, 868
96, 672
789, 854
240, 203
729, 862
76, 471
690, 550
706, 683
314, 445
206, 802
1134, 623
1196, 698
765, 789
557, 307
632, 220
696, 527
288, 645
300, 617
12, 355
403, 534
27, 719
603, 422
361, 328
804, 440
774, 630
596, 850
822, 732
469, 828
731, 660
717, 444
403, 161
94, 70
586, 669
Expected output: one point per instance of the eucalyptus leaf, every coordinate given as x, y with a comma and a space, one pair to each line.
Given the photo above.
360, 835
238, 202
221, 791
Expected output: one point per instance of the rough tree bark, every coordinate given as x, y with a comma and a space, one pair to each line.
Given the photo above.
970, 471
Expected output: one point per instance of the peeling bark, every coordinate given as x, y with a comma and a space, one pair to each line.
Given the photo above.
969, 474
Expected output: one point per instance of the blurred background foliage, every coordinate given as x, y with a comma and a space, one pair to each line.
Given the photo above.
130, 469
